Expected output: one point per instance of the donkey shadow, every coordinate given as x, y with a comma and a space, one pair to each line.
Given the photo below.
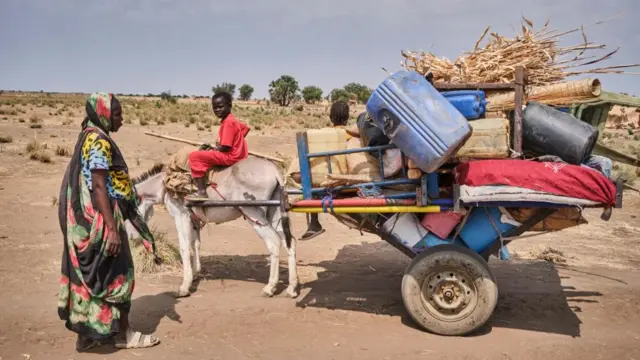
251, 268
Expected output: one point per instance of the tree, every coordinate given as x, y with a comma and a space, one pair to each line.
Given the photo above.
311, 94
283, 90
362, 92
246, 91
166, 95
339, 94
228, 87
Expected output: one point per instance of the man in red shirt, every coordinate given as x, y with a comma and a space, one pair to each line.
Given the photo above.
231, 146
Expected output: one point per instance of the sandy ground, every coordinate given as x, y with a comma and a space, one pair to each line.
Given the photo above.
350, 306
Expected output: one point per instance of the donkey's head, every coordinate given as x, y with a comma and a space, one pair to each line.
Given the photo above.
150, 191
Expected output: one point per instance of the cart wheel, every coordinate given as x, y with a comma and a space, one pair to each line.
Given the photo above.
449, 290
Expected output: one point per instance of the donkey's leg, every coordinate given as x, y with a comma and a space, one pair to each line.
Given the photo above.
258, 220
292, 289
272, 240
276, 220
277, 223
184, 228
195, 250
185, 232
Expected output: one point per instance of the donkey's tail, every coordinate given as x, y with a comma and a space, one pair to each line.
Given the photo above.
281, 194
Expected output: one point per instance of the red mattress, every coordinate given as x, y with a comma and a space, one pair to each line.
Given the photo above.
554, 178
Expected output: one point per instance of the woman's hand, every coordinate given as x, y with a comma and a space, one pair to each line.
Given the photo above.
113, 242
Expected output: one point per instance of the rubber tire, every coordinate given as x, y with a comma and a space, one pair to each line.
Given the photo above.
464, 260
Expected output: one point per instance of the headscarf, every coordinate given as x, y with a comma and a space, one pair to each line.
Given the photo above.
99, 108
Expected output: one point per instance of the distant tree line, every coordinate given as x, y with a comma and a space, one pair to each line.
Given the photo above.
283, 91
286, 90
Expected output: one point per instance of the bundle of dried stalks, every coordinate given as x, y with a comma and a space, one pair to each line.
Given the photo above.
496, 61
564, 93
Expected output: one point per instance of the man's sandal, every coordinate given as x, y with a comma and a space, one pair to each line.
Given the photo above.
310, 234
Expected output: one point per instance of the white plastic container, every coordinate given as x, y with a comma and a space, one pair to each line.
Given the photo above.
406, 228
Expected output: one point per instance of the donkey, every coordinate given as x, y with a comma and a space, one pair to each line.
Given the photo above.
250, 179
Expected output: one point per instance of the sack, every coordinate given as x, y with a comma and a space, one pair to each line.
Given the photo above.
370, 134
178, 181
559, 220
392, 162
362, 163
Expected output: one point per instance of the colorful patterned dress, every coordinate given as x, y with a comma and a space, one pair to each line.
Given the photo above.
96, 288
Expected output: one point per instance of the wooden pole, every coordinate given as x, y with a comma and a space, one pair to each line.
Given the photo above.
195, 143
631, 188
519, 100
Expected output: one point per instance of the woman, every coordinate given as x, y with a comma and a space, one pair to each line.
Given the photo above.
96, 198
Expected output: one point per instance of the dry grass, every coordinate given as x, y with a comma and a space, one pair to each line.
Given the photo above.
537, 50
42, 156
68, 109
627, 172
62, 151
549, 254
35, 122
168, 252
38, 152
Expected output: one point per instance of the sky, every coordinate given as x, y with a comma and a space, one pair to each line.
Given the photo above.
187, 46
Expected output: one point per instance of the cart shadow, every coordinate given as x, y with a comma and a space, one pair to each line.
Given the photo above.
367, 278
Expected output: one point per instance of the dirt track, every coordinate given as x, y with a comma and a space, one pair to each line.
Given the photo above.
350, 306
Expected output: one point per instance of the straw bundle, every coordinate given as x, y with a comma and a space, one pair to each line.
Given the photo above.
554, 94
167, 251
536, 50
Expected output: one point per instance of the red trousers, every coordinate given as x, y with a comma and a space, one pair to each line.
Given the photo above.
202, 160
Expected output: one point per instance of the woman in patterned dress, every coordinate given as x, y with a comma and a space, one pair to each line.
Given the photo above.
96, 198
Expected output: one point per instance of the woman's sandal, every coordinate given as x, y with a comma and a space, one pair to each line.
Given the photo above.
136, 341
83, 344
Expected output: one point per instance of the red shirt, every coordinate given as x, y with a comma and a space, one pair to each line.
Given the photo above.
232, 133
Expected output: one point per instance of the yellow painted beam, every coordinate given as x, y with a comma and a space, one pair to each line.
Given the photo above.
369, 209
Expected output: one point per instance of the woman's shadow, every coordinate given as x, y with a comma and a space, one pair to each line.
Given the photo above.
146, 313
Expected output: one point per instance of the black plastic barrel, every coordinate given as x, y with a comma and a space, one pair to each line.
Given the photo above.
547, 131
370, 134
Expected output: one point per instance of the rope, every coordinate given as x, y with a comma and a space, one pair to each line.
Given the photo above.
365, 191
325, 200
515, 154
495, 227
461, 226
